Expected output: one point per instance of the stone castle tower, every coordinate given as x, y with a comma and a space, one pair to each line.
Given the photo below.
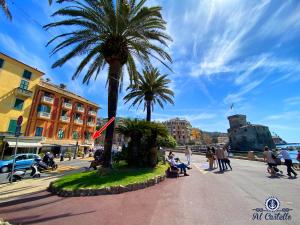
244, 136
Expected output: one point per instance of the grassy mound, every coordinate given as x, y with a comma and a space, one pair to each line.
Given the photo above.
119, 175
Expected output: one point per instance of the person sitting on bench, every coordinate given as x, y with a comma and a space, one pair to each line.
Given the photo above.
179, 165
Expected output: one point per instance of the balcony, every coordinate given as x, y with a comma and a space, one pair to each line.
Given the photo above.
44, 115
65, 119
91, 124
23, 92
46, 99
80, 109
78, 121
92, 113
67, 105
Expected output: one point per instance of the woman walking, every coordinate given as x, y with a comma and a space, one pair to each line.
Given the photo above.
188, 154
226, 159
210, 158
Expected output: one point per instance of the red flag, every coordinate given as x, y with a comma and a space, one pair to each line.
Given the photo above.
98, 132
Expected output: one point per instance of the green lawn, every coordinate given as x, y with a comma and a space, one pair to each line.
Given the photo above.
120, 175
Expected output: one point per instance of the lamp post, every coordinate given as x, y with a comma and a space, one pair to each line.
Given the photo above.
17, 134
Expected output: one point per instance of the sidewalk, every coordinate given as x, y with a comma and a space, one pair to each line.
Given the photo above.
10, 191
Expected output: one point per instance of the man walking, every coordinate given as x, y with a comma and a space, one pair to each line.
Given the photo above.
288, 162
220, 157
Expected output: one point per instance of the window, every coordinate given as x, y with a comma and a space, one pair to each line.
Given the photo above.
44, 108
60, 134
19, 104
24, 84
38, 131
90, 120
64, 113
75, 135
27, 74
12, 126
1, 63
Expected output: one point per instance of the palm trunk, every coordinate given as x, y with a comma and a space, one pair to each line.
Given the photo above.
113, 92
148, 110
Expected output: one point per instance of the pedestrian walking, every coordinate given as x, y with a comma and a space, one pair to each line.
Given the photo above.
188, 154
220, 157
210, 157
213, 150
226, 159
288, 162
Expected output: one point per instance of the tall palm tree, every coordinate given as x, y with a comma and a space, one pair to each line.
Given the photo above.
113, 33
150, 88
5, 9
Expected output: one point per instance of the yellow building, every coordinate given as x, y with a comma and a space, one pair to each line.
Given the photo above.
18, 82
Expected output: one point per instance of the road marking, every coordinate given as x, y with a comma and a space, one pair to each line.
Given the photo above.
199, 168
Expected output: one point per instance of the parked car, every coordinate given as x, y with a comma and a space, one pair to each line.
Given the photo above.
23, 161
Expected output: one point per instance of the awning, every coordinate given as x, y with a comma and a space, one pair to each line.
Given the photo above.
24, 144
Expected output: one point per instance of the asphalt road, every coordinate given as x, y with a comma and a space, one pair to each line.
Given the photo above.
79, 163
204, 197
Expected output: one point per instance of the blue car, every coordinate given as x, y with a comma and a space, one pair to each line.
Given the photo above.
23, 161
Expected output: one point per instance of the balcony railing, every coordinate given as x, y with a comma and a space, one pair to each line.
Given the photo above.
65, 119
47, 99
92, 113
44, 115
67, 105
80, 109
78, 121
90, 124
23, 92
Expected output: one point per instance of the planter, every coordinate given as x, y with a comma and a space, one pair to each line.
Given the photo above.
107, 190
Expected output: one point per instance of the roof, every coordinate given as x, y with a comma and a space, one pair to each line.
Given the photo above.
58, 89
1, 53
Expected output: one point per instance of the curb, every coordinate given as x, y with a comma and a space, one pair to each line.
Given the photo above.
106, 190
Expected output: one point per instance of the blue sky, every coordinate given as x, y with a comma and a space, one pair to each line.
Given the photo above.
224, 51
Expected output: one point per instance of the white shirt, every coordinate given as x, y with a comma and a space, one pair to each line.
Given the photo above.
225, 154
284, 154
173, 162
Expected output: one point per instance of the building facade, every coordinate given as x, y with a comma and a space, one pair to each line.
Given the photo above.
64, 119
18, 83
180, 129
244, 136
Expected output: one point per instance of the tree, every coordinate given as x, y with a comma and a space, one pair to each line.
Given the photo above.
113, 33
5, 9
151, 88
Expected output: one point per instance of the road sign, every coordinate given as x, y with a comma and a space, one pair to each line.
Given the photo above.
20, 120
18, 131
98, 132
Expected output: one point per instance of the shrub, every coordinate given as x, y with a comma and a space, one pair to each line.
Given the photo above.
143, 145
168, 142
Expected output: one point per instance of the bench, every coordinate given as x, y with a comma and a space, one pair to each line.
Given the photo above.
172, 171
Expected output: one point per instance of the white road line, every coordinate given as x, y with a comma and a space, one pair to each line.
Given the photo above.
200, 169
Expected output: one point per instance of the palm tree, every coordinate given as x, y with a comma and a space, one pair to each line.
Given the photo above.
113, 33
5, 9
150, 88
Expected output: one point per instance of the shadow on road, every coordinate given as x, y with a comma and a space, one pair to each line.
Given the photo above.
23, 199
36, 219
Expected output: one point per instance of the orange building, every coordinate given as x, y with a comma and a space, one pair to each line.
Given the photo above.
62, 118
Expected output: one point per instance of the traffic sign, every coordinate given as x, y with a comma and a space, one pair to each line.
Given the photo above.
20, 120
